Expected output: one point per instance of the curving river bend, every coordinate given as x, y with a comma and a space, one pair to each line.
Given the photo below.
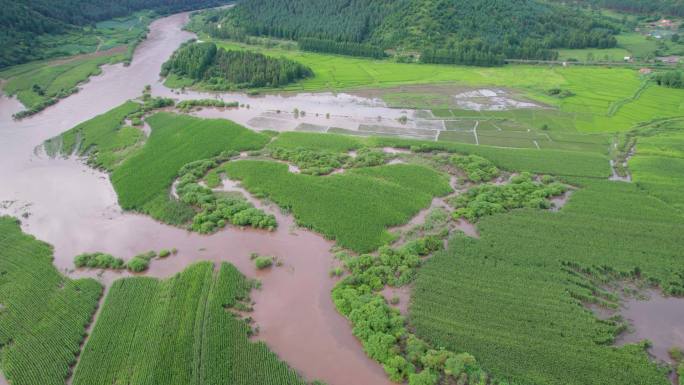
75, 209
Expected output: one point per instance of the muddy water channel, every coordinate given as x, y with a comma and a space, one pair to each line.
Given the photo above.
73, 207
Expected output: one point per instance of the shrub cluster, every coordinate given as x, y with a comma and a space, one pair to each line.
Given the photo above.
263, 262
139, 263
382, 330
671, 79
477, 168
321, 162
522, 191
311, 162
560, 93
187, 105
217, 211
99, 261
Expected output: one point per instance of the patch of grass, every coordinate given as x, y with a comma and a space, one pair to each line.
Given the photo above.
658, 165
354, 208
569, 163
43, 314
315, 141
102, 138
594, 54
142, 181
197, 340
45, 84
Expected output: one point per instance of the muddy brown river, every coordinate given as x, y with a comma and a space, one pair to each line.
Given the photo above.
75, 209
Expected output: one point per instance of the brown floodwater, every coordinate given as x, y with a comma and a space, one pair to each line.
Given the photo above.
658, 319
73, 207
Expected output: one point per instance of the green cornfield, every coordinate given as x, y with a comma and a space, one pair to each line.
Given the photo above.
354, 208
178, 331
43, 315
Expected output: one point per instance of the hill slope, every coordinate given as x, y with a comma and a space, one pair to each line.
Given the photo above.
24, 21
453, 31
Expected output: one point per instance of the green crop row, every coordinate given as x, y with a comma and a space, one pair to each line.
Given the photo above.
178, 331
102, 138
43, 315
144, 179
507, 299
355, 207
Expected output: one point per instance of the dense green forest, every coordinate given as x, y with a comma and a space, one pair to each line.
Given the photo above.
664, 7
221, 69
446, 31
24, 21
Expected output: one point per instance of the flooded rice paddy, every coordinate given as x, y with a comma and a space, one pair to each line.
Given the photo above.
74, 207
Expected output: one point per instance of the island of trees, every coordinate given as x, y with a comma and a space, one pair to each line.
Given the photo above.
220, 69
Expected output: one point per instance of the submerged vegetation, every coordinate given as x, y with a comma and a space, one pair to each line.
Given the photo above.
220, 69
43, 315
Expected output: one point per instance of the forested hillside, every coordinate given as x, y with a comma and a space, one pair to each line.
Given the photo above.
453, 31
663, 7
24, 21
221, 69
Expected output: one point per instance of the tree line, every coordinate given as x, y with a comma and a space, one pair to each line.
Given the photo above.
218, 68
671, 79
341, 47
665, 7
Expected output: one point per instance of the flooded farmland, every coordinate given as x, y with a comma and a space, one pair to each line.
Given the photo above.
74, 208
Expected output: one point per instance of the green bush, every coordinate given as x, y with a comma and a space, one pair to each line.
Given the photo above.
98, 261
477, 168
262, 262
488, 199
163, 253
138, 264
